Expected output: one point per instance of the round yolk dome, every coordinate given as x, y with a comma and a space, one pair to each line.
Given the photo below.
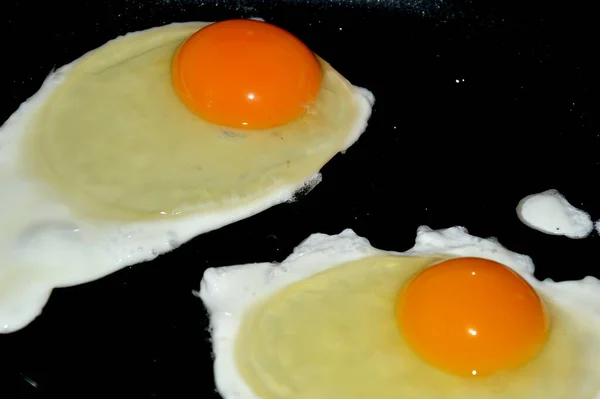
472, 317
246, 74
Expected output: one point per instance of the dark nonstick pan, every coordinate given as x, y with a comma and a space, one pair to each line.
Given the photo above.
478, 105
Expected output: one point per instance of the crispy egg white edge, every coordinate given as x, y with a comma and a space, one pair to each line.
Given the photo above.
228, 292
123, 240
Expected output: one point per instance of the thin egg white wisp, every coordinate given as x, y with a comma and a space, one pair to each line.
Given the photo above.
44, 245
229, 292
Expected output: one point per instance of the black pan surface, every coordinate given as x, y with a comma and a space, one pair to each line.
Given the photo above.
478, 105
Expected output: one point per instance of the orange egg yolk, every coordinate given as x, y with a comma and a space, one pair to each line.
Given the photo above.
246, 74
472, 317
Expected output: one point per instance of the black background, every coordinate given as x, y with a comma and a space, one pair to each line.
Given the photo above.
523, 118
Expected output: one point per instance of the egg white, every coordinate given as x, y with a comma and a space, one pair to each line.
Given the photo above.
44, 244
229, 292
549, 212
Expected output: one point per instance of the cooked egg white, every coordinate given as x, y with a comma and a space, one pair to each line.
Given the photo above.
104, 167
551, 213
321, 325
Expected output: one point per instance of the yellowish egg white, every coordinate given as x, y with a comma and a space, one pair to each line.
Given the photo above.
115, 140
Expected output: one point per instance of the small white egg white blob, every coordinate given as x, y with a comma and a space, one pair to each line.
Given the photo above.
45, 245
549, 212
229, 292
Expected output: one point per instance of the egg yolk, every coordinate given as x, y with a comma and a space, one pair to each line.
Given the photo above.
246, 74
472, 317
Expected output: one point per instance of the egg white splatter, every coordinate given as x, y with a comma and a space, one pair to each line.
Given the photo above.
549, 212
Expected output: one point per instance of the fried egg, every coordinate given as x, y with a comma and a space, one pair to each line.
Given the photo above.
132, 150
456, 316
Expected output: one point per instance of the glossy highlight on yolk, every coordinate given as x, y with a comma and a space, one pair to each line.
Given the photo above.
472, 317
246, 74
